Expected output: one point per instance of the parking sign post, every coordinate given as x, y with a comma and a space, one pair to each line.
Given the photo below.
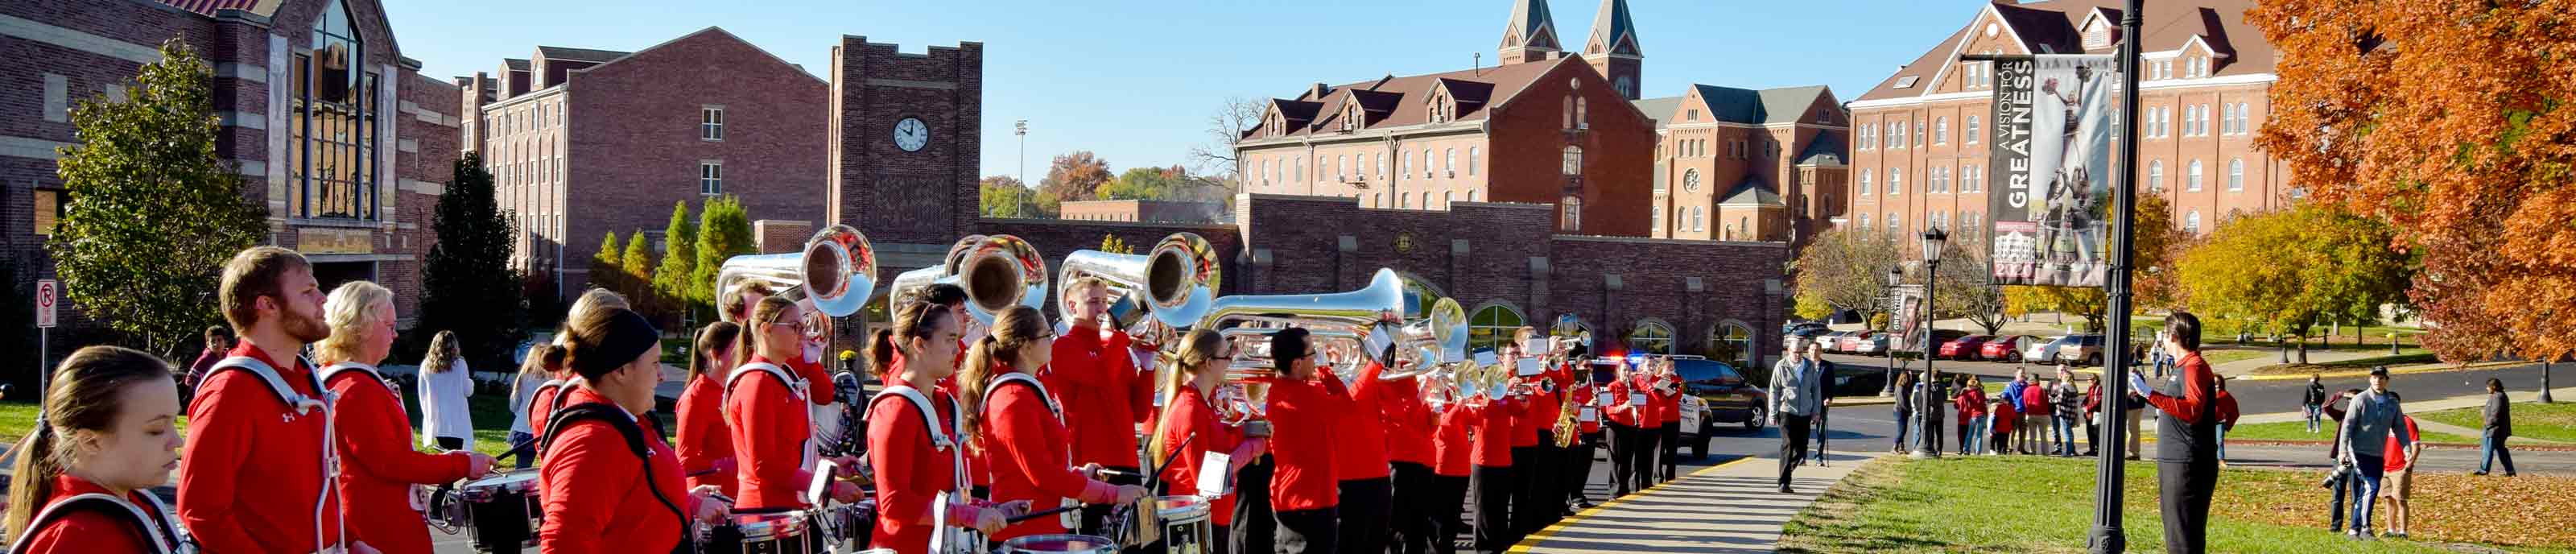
46, 291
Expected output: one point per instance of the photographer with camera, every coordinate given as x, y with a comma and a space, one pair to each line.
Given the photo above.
2340, 479
2367, 423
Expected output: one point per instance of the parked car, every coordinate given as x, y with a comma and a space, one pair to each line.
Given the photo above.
1723, 396
1788, 338
2003, 348
1873, 345
1963, 348
2085, 349
1938, 337
1831, 341
2045, 350
1851, 380
1850, 344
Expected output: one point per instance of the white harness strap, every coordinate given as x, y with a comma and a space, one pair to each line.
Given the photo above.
161, 533
334, 370
304, 405
797, 387
1070, 519
945, 538
294, 400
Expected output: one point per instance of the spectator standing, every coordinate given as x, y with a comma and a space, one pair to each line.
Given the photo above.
2011, 397
1905, 399
2367, 421
2313, 403
219, 339
1972, 415
2349, 487
2186, 441
2499, 426
2067, 403
2093, 417
2035, 414
2226, 418
2401, 471
444, 383
2000, 421
539, 366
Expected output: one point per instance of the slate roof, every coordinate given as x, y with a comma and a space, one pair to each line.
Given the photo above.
1753, 193
1476, 90
578, 54
2050, 25
1826, 150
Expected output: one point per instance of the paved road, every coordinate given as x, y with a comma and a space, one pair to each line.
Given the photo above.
2269, 396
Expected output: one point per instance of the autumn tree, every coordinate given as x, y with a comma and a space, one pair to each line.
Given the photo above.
2452, 122
2296, 269
1966, 288
636, 264
1842, 270
1074, 176
608, 266
1004, 196
2158, 243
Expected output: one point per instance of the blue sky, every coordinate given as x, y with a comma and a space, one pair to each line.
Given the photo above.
1135, 81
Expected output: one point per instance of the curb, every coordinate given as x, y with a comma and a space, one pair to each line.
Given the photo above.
2425, 368
2447, 445
1533, 539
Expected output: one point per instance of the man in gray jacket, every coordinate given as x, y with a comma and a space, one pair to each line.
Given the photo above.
1797, 397
2367, 423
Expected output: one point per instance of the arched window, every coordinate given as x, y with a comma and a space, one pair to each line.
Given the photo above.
1573, 213
1405, 167
1895, 181
1449, 162
1300, 171
1569, 112
1658, 218
1471, 196
1864, 222
332, 151
1582, 115
1573, 160
2192, 183
1445, 200
2236, 174
1731, 343
2191, 221
1864, 181
1651, 337
1941, 131
1491, 326
1699, 218
1471, 161
1338, 161
1426, 163
1971, 135
2156, 176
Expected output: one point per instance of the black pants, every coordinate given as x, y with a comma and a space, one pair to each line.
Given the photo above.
1530, 511
1581, 476
1493, 508
1448, 506
1641, 457
1416, 497
1308, 531
1670, 443
1623, 471
2092, 433
1095, 517
1255, 527
451, 443
2185, 488
1366, 504
1793, 444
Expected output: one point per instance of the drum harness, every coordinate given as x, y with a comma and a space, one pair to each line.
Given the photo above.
164, 535
944, 538
332, 371
632, 429
1068, 518
797, 387
302, 405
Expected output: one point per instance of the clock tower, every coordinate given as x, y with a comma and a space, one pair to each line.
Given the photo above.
905, 143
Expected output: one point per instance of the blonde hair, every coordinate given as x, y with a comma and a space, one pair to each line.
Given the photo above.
1197, 349
1017, 328
349, 310
442, 353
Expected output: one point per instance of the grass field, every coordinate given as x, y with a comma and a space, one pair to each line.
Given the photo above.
2553, 422
2031, 504
2409, 356
2218, 356
2298, 431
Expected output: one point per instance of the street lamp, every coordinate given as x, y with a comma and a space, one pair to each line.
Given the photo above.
1895, 278
1021, 129
1933, 240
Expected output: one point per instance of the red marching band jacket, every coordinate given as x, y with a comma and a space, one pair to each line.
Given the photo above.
1408, 422
1023, 437
596, 496
1492, 431
916, 458
251, 473
138, 526
766, 411
706, 443
1362, 453
1449, 438
1624, 410
1095, 380
1665, 394
1193, 417
1304, 416
378, 465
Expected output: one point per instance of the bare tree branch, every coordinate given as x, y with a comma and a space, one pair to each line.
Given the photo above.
1216, 157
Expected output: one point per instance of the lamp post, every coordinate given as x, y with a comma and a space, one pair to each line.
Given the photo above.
1895, 277
1925, 422
1021, 128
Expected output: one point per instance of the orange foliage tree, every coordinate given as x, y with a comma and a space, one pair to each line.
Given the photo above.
2450, 120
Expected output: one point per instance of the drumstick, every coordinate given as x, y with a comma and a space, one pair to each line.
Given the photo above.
1154, 483
1040, 514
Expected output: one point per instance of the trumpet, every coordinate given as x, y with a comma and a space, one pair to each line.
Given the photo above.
837, 269
997, 271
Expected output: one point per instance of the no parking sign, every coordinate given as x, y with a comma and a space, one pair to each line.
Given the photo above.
46, 291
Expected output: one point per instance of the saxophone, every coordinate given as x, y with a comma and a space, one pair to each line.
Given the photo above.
1565, 425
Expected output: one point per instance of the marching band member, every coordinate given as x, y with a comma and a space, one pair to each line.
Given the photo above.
1408, 426
1190, 419
765, 408
1360, 459
104, 438
1626, 428
737, 301
706, 443
1494, 429
1092, 377
1533, 443
1584, 393
1450, 422
1020, 429
609, 482
1667, 399
259, 450
909, 443
1306, 407
1563, 484
378, 465
1644, 455
551, 394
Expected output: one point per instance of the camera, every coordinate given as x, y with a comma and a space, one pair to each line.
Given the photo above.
2335, 479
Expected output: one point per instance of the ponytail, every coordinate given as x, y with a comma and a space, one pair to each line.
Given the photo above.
84, 401
718, 337
33, 481
971, 381
1198, 349
881, 355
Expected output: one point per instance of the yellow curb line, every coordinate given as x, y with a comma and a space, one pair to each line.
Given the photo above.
1534, 538
2427, 368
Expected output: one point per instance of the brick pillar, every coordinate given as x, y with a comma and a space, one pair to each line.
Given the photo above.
1539, 276
1345, 264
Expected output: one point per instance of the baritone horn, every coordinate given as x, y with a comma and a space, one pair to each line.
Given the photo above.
837, 269
1165, 289
997, 271
1345, 321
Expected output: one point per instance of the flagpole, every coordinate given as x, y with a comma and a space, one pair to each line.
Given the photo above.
2110, 472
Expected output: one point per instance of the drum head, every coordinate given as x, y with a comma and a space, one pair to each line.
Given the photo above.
770, 526
514, 482
1035, 544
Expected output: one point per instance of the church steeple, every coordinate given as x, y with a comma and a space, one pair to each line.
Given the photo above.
1612, 48
1531, 35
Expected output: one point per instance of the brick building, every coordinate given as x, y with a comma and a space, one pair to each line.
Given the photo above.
1509, 264
624, 136
334, 131
1919, 154
1148, 211
1739, 164
1524, 131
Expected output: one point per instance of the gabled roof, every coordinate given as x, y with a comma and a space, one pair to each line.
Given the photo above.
1826, 150
2220, 23
1477, 92
578, 54
710, 30
1659, 109
515, 64
1789, 104
1532, 24
208, 7
1613, 31
1751, 193
1762, 107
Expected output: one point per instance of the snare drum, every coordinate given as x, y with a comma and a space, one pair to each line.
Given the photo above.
1058, 544
847, 527
503, 510
775, 533
1186, 527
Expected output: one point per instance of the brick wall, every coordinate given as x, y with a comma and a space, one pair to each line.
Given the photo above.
779, 236
1618, 151
924, 197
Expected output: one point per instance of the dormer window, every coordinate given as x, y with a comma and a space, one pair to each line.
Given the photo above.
2097, 35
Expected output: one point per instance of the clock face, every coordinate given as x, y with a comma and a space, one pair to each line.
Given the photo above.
911, 135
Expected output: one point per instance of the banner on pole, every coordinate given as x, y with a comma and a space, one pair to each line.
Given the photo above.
2054, 123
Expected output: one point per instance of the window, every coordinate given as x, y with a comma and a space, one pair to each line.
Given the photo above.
710, 178
2156, 176
1941, 131
1573, 213
2192, 178
1699, 219
1471, 196
1492, 326
1449, 162
1652, 337
1896, 135
1864, 222
1574, 161
1939, 220
1690, 180
1403, 200
2236, 174
2226, 119
1338, 175
1975, 178
1895, 224
1940, 180
1426, 163
1569, 112
1300, 171
48, 208
1864, 182
1404, 168
1471, 161
1918, 135
1868, 137
331, 153
1658, 218
1445, 200
1895, 181
1971, 135
2191, 221
1582, 117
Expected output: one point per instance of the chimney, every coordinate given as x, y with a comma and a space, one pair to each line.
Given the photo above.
1318, 94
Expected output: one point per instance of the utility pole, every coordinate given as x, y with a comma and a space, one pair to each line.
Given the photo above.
2110, 471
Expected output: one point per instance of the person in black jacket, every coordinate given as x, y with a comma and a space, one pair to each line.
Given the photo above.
2499, 418
2315, 401
2350, 486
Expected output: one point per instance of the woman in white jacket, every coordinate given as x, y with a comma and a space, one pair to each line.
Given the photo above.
444, 384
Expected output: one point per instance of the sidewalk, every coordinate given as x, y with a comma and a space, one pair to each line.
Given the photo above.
1728, 508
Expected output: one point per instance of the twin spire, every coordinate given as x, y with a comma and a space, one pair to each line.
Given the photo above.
1531, 33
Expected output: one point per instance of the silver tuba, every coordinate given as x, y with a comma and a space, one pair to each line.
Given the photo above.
1344, 321
837, 269
1173, 284
997, 271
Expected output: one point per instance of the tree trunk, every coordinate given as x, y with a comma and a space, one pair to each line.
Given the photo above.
2303, 350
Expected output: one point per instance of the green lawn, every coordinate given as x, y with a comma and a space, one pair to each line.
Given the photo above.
2298, 431
2553, 422
2033, 504
2409, 356
2216, 356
